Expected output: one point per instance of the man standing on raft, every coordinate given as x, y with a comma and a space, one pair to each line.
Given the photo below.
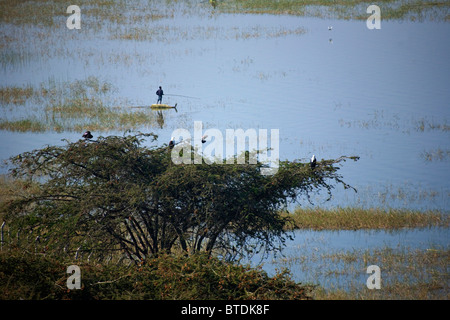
159, 93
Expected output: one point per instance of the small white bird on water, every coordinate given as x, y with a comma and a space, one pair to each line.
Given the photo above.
330, 28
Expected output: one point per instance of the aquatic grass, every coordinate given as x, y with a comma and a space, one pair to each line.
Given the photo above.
12, 56
96, 14
50, 12
73, 106
436, 155
11, 189
15, 95
342, 9
356, 218
407, 195
23, 125
406, 123
166, 33
160, 277
405, 274
113, 15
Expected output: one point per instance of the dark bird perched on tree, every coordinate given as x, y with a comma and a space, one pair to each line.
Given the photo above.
172, 143
167, 221
313, 162
87, 135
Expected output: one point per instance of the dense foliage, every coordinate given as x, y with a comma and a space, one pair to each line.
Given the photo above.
119, 195
36, 276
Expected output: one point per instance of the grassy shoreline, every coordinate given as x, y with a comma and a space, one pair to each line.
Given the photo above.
358, 218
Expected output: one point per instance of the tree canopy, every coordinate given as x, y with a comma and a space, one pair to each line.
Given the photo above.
119, 194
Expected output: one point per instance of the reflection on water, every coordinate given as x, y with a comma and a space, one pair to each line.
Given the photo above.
378, 94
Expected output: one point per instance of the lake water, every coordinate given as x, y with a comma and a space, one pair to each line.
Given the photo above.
382, 94
339, 259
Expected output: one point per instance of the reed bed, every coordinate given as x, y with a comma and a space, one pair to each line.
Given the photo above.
342, 9
15, 95
405, 274
358, 218
71, 106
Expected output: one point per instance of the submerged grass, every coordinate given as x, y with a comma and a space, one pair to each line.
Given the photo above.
71, 106
356, 218
166, 277
436, 155
11, 189
405, 274
24, 125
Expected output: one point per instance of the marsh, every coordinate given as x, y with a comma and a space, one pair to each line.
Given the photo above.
379, 94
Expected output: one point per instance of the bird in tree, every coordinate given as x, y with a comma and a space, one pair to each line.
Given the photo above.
87, 135
313, 162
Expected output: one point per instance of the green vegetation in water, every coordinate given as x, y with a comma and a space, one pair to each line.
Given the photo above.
90, 177
356, 218
71, 106
405, 274
52, 12
342, 9
26, 125
32, 276
15, 95
134, 13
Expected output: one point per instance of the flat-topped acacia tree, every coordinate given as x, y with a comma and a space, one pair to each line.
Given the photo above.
116, 194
